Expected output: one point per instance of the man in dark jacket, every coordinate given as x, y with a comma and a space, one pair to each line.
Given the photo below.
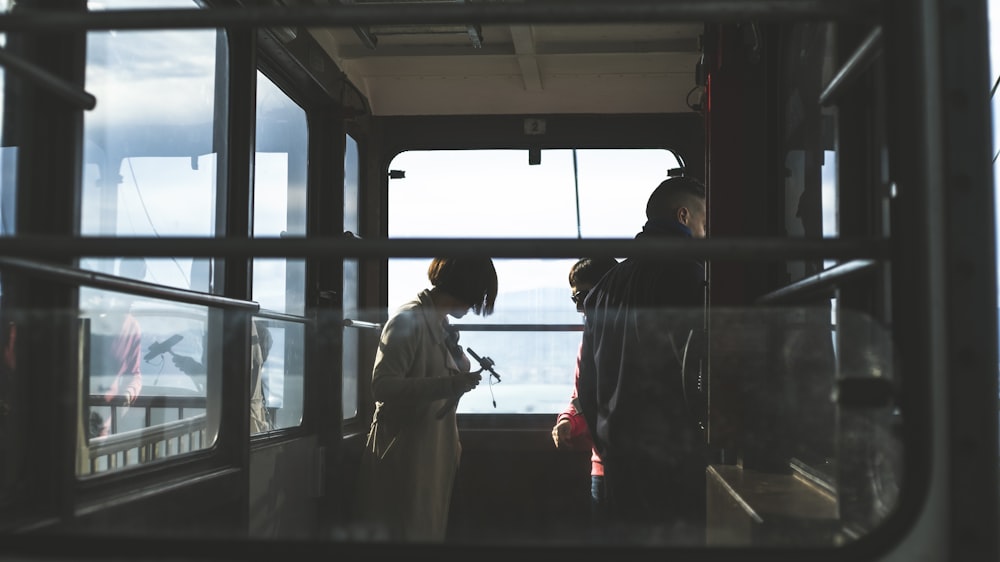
639, 320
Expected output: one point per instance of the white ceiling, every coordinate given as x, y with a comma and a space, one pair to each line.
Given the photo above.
519, 69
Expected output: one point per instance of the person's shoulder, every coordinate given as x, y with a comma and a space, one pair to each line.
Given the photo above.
409, 314
406, 313
616, 274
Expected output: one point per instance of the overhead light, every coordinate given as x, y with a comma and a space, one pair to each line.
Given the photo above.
369, 34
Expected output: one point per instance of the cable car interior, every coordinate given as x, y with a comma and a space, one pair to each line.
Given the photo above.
203, 201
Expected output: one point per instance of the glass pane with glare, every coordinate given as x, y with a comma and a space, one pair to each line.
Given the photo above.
593, 193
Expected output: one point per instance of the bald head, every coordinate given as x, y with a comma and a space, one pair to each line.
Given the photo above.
681, 199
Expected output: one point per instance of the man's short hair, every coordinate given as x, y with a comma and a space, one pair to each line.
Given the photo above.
673, 194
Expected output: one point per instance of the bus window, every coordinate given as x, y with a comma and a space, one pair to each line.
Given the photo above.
8, 158
352, 283
150, 168
159, 184
571, 193
145, 380
279, 210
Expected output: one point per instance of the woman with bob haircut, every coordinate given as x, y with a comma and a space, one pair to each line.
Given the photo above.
412, 453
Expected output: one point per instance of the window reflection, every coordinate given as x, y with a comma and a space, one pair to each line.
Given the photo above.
8, 161
279, 196
281, 373
352, 282
150, 162
150, 368
145, 380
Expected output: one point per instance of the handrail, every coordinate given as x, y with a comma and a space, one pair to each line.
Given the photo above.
805, 288
345, 15
738, 249
137, 438
40, 77
518, 327
75, 275
859, 61
157, 401
351, 323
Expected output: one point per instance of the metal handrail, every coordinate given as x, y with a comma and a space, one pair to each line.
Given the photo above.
351, 323
68, 91
77, 276
142, 437
860, 60
805, 288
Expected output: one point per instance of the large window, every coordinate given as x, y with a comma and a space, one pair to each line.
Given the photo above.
279, 211
8, 158
146, 365
150, 163
352, 282
497, 194
150, 168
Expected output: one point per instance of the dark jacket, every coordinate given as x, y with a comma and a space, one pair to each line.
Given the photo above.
638, 321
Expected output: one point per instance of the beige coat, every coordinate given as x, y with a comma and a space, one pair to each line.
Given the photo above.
408, 466
258, 414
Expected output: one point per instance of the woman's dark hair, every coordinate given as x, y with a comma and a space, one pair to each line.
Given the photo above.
590, 270
471, 280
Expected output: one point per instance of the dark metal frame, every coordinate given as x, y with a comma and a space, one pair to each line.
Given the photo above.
942, 251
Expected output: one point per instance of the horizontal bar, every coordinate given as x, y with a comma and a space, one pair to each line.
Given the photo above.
155, 401
281, 317
111, 444
349, 323
518, 327
803, 289
76, 276
335, 15
69, 92
860, 60
737, 249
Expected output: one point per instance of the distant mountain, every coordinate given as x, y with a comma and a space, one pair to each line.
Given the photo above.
538, 306
531, 357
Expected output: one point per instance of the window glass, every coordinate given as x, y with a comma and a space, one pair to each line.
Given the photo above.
811, 200
351, 280
279, 195
8, 157
809, 140
150, 163
148, 380
279, 200
441, 196
281, 371
150, 168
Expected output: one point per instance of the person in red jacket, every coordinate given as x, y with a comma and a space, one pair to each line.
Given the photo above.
570, 431
116, 351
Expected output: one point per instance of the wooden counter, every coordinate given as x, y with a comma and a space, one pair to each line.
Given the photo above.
747, 507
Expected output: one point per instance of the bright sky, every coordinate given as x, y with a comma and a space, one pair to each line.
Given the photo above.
442, 197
